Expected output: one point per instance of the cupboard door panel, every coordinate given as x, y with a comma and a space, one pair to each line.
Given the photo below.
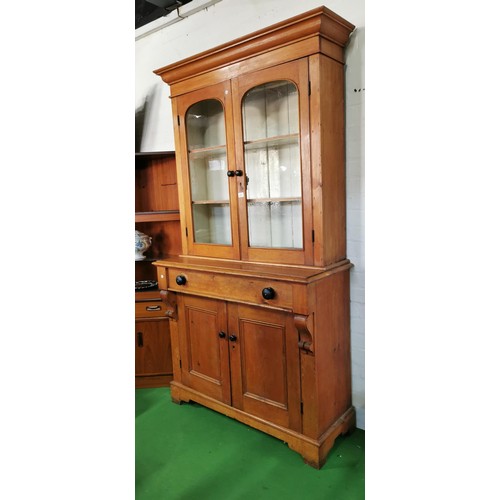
204, 353
265, 364
153, 352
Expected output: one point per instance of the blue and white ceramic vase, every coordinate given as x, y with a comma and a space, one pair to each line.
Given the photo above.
142, 243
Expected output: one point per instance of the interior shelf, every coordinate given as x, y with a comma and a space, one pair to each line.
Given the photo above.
276, 141
211, 202
273, 200
202, 152
157, 216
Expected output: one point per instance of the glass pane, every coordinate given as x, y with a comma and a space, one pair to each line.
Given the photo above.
275, 224
273, 169
205, 125
207, 172
271, 110
212, 224
208, 177
272, 165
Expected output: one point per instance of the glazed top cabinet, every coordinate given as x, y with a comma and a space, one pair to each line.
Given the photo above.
259, 127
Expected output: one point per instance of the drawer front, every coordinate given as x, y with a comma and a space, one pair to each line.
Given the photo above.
150, 309
232, 288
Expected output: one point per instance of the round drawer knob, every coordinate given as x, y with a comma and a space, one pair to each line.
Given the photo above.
268, 293
232, 337
222, 335
181, 280
230, 173
238, 173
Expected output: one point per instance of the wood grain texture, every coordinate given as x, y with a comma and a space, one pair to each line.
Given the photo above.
249, 290
203, 353
297, 73
265, 270
326, 374
282, 364
328, 159
153, 356
156, 183
221, 93
320, 21
157, 203
313, 451
264, 365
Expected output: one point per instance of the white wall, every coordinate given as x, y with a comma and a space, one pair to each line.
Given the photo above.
226, 20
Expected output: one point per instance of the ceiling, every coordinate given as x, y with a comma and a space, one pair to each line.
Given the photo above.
147, 11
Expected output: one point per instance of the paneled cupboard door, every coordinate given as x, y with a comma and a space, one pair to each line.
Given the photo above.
203, 346
271, 123
244, 356
265, 377
153, 353
207, 167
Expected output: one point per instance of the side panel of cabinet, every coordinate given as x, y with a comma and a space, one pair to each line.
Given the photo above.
153, 354
265, 364
326, 373
203, 352
328, 159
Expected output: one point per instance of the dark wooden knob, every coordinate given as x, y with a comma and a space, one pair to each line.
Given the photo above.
268, 293
222, 335
238, 173
181, 280
230, 173
232, 337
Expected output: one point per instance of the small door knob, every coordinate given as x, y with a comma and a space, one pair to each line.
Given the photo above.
222, 335
181, 280
230, 173
232, 337
268, 293
238, 173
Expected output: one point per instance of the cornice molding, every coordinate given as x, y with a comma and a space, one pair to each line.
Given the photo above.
319, 22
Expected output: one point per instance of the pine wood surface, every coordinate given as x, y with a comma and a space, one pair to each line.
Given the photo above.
147, 295
313, 451
220, 92
157, 215
322, 159
281, 364
153, 358
297, 73
302, 274
327, 152
321, 21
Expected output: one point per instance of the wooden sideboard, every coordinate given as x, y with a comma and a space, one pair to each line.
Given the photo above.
157, 215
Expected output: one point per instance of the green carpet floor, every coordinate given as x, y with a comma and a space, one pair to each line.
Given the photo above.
188, 452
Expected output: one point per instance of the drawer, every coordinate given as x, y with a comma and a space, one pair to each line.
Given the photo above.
232, 287
150, 309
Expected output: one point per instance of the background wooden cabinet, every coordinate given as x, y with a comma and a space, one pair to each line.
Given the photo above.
157, 207
153, 353
157, 215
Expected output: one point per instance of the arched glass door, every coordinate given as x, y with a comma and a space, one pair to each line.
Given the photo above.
270, 114
207, 155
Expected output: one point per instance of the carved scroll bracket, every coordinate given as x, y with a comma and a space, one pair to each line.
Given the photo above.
170, 300
305, 327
